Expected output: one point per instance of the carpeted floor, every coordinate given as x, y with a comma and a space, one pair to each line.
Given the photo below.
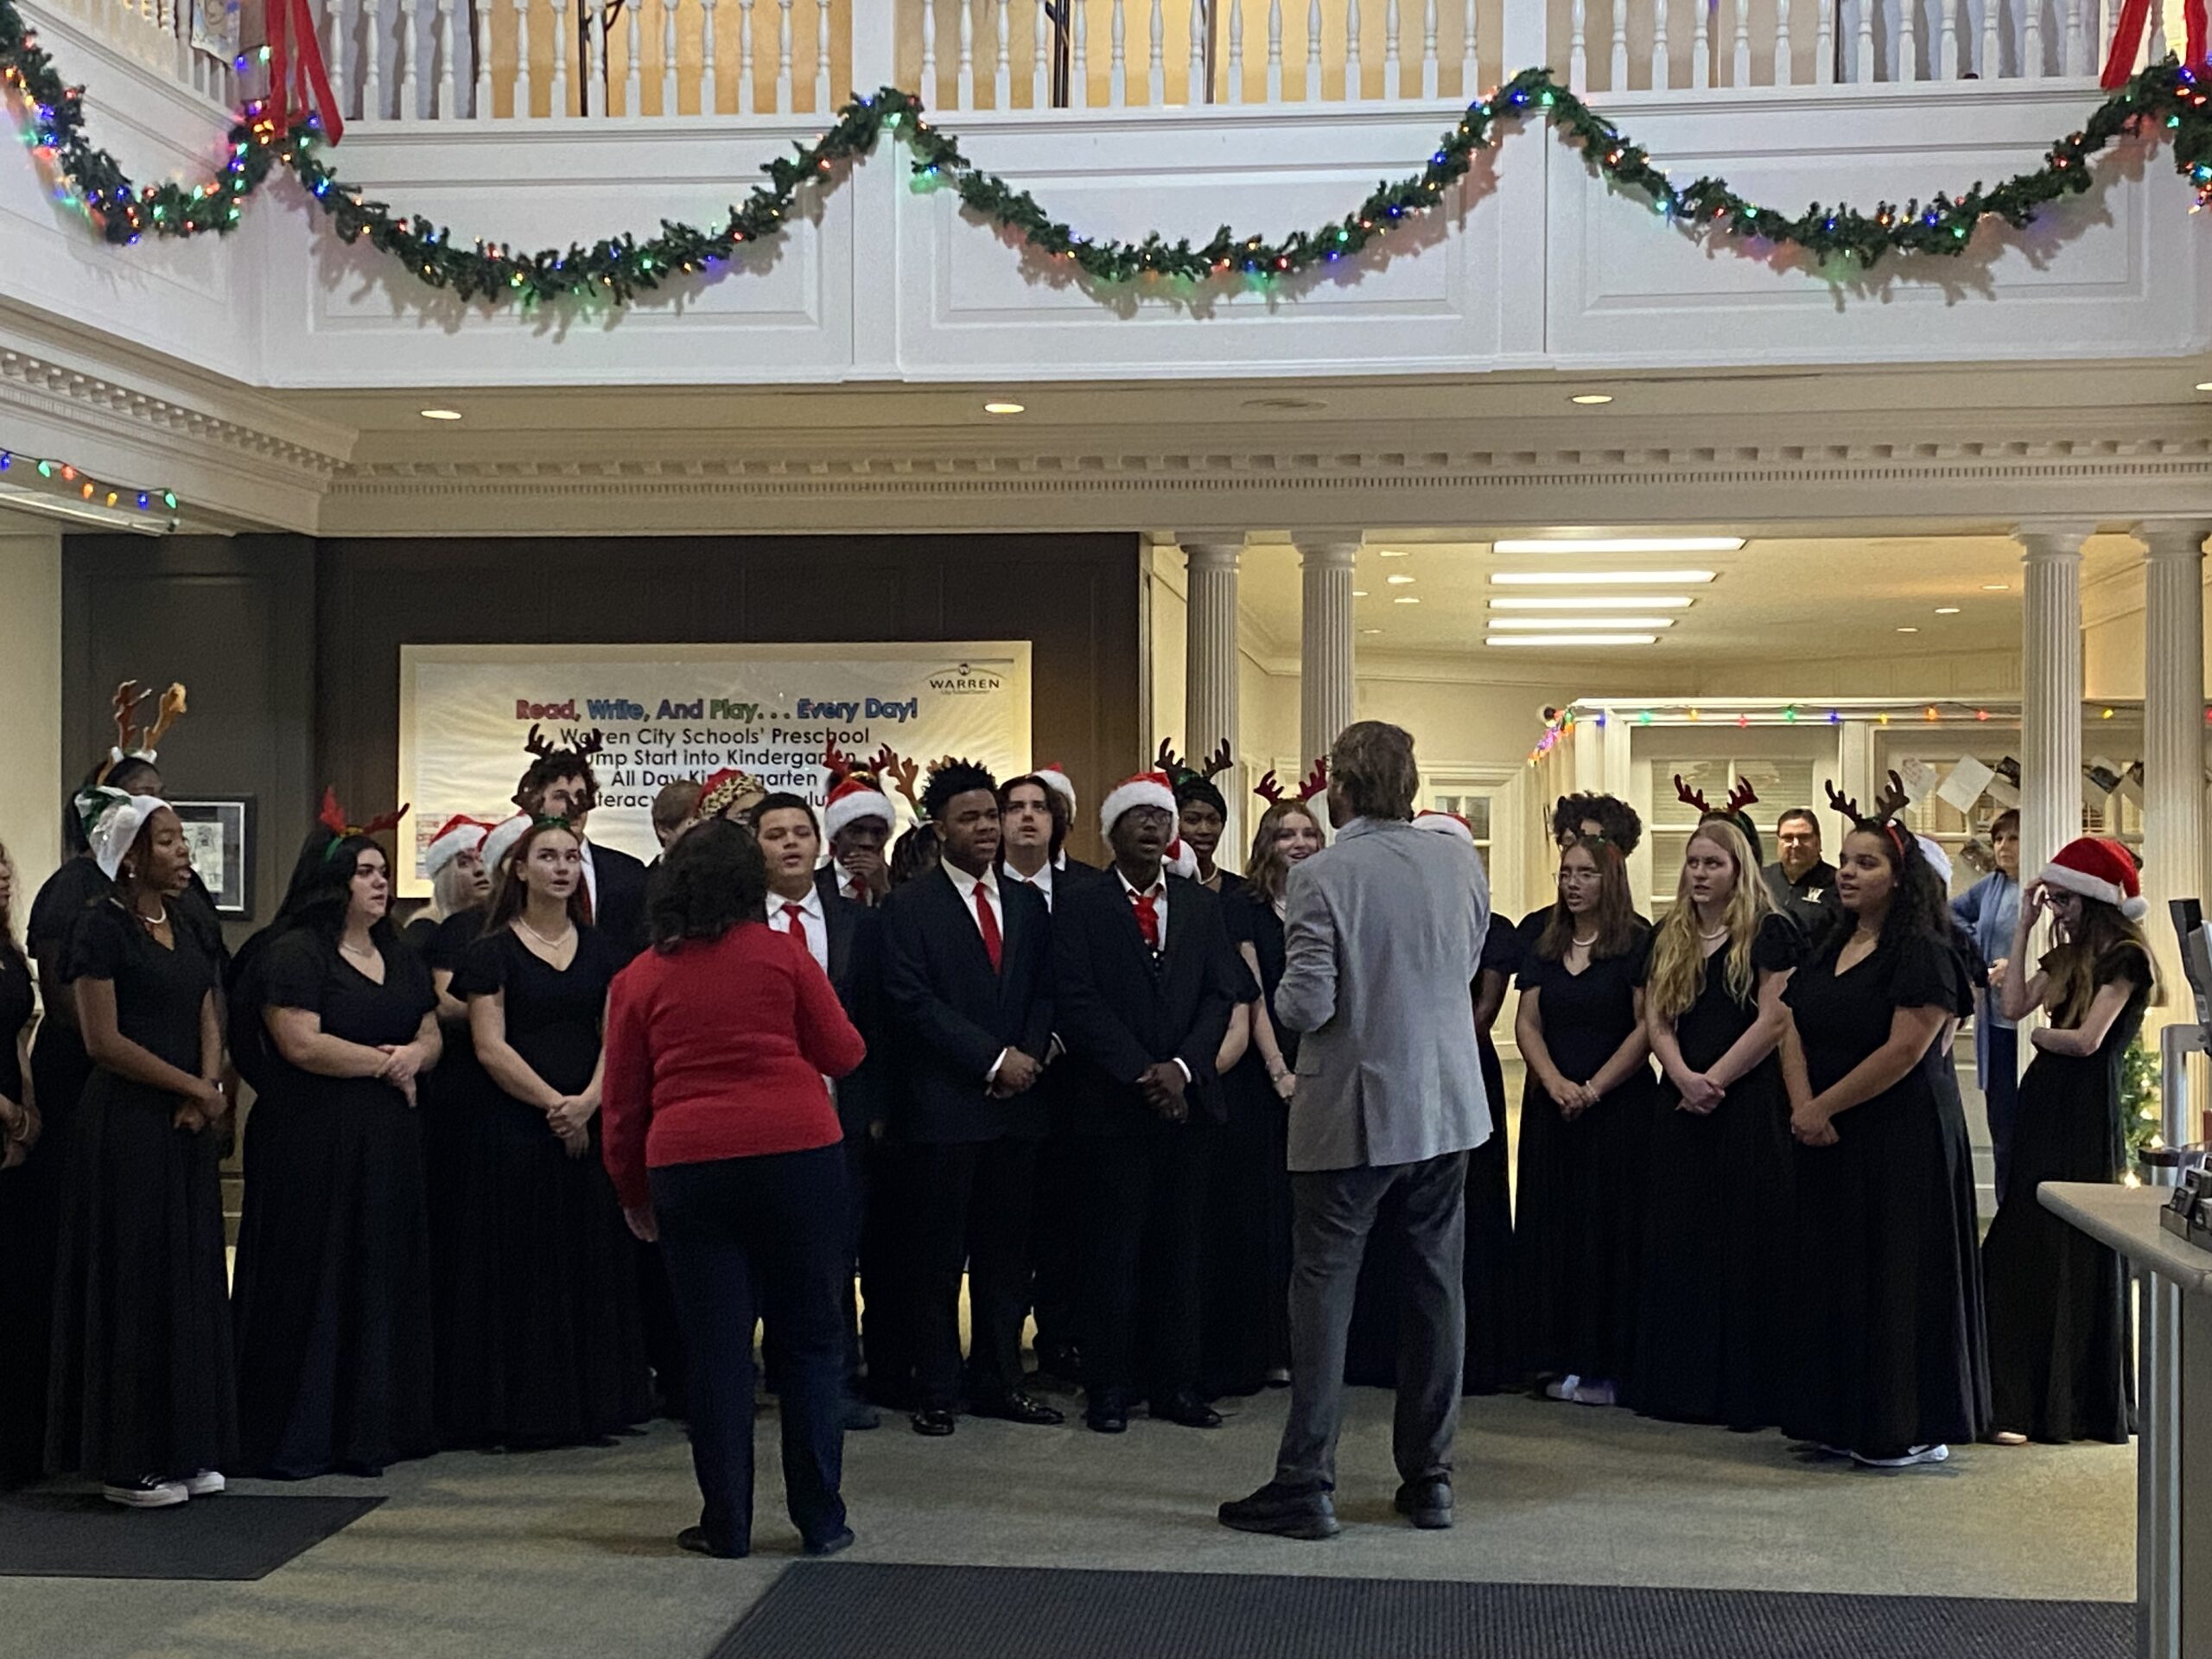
573, 1553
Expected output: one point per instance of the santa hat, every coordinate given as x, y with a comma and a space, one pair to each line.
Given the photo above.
2100, 869
1450, 823
455, 835
1179, 860
1059, 783
1938, 860
858, 797
503, 839
112, 821
1146, 789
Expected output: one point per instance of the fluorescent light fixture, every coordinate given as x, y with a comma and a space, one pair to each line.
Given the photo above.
1596, 544
1391, 553
1400, 582
1596, 602
1996, 587
1947, 610
1540, 623
1591, 399
2204, 385
82, 513
1908, 630
1004, 409
1572, 639
1359, 593
1601, 578
1405, 598
440, 414
1370, 630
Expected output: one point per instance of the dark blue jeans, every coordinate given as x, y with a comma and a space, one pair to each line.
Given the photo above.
777, 1221
2003, 1098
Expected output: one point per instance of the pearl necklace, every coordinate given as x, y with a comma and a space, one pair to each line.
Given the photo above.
1717, 935
153, 924
1584, 944
550, 944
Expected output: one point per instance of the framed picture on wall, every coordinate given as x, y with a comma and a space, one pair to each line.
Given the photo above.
220, 834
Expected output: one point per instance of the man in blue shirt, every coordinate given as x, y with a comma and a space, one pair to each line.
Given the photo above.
1990, 913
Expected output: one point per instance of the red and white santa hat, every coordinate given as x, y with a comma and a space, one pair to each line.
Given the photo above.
1179, 860
503, 840
1056, 779
1146, 789
855, 798
457, 835
1450, 823
2100, 869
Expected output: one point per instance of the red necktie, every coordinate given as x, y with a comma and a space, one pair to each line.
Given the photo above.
857, 891
796, 918
583, 899
988, 919
1147, 908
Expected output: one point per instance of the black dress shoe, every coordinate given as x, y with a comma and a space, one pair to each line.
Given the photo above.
1280, 1512
840, 1540
1060, 1359
1109, 1414
1428, 1502
1188, 1410
694, 1539
1016, 1408
935, 1424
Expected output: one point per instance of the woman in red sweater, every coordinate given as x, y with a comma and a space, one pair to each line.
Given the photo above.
722, 1143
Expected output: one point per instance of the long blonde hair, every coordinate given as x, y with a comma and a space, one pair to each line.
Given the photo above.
1267, 870
1676, 978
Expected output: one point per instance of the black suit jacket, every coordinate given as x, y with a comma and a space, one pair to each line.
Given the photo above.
856, 975
1119, 1014
619, 909
951, 1016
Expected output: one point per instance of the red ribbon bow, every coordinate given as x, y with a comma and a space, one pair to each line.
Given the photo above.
299, 83
2127, 39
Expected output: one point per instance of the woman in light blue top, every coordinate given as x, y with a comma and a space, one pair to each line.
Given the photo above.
1990, 911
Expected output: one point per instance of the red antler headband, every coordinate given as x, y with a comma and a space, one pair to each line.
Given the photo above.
1893, 800
1741, 795
1269, 788
333, 818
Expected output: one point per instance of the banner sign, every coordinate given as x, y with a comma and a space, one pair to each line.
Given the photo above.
669, 712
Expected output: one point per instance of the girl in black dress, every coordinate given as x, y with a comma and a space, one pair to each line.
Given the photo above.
1717, 1220
333, 1294
139, 1392
1247, 1323
551, 1274
1889, 1366
26, 1308
2059, 1343
1586, 1130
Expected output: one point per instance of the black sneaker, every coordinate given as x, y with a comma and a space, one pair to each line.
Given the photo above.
1283, 1513
694, 1539
147, 1492
1426, 1503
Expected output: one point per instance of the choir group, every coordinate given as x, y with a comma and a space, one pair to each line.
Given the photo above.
479, 1208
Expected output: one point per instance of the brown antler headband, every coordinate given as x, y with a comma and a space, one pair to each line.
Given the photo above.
333, 818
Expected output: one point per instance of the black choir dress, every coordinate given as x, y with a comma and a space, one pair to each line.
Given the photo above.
1885, 1267
2060, 1341
332, 1293
26, 1236
452, 1100
1578, 1233
1487, 1268
141, 1382
555, 1355
1247, 1318
1717, 1219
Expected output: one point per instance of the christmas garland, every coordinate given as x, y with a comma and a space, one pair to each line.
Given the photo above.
2164, 97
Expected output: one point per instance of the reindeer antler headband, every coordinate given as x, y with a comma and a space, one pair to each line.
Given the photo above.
333, 818
903, 775
1741, 795
1893, 800
144, 743
1177, 769
1271, 789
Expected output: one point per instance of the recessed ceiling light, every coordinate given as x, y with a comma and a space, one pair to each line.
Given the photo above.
1572, 639
1539, 623
1908, 630
1996, 587
1359, 593
440, 414
1620, 545
1598, 578
1596, 602
1004, 409
1391, 553
1370, 630
2204, 385
1591, 399
1401, 581
1405, 598
1947, 610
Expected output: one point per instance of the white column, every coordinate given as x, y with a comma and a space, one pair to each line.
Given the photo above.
1325, 660
1209, 645
2050, 700
30, 687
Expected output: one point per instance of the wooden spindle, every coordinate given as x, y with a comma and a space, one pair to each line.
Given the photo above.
1864, 66
1195, 90
929, 51
1662, 69
1002, 77
1740, 66
447, 99
1117, 65
1700, 46
1079, 59
1824, 44
747, 58
1471, 57
964, 85
1908, 40
1390, 63
822, 92
559, 109
1312, 94
785, 102
1617, 67
1236, 91
633, 52
522, 111
709, 84
591, 43
1428, 70
1577, 59
2031, 40
1950, 14
1155, 78
2077, 58
373, 65
1273, 93
1989, 65
671, 103
479, 50
333, 50
1040, 74
1355, 56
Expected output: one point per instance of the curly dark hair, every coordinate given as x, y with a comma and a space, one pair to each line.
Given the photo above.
708, 882
549, 770
916, 853
1616, 820
1918, 904
953, 777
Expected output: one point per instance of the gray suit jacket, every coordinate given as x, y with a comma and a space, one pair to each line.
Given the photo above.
1383, 934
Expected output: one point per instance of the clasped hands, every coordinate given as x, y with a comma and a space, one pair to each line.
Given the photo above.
1164, 1087
1810, 1124
403, 1064
204, 1107
1017, 1074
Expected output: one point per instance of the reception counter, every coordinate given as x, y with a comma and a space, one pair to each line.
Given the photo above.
2173, 1451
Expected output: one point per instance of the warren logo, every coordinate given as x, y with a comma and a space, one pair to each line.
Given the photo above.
963, 681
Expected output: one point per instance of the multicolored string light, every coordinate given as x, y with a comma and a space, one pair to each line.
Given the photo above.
2166, 100
71, 485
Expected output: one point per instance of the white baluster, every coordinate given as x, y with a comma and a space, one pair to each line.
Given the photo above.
333, 51
559, 110
1951, 15
1155, 79
1273, 92
670, 106
479, 37
820, 57
1578, 61
1866, 53
784, 100
1662, 69
964, 87
1312, 94
1080, 61
590, 44
1471, 61
1040, 76
1741, 65
1616, 69
1355, 58
1389, 46
2077, 58
1824, 44
928, 51
1195, 90
1117, 66
633, 87
445, 110
1002, 80
2031, 41
1237, 51
522, 111
2155, 52
1785, 63
1908, 40
709, 86
1989, 64
1428, 75
747, 58
1701, 47
372, 70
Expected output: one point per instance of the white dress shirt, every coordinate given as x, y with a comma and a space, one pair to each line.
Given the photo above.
846, 881
965, 886
811, 913
1042, 880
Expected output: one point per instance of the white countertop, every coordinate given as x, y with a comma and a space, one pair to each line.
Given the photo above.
2127, 1218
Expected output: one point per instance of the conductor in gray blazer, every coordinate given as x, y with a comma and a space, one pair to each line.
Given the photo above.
1384, 936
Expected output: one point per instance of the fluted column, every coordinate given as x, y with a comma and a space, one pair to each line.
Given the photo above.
1325, 639
2050, 699
2173, 742
1210, 645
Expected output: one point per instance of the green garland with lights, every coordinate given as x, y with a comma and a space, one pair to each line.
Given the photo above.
2165, 99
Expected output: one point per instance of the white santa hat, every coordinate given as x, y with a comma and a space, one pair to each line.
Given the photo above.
1938, 860
1059, 783
1146, 789
854, 799
112, 821
502, 840
457, 835
2100, 869
1179, 860
1450, 823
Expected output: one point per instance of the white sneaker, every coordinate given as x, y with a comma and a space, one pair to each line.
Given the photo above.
1596, 1393
1562, 1387
1914, 1455
205, 1483
147, 1493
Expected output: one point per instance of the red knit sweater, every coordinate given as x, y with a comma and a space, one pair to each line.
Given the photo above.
718, 1050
